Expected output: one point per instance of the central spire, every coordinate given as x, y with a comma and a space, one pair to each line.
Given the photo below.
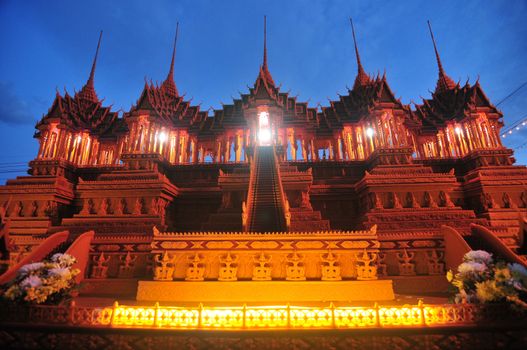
264, 69
169, 84
92, 72
362, 78
88, 91
444, 82
265, 45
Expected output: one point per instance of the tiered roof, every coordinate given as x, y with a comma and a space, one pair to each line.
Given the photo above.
366, 95
264, 91
451, 102
83, 111
164, 102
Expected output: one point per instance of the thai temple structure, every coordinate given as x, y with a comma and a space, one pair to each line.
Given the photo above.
267, 199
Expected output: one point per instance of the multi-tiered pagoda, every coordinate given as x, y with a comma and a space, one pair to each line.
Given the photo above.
267, 190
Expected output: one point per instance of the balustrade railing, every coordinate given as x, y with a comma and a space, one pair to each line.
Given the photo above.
248, 317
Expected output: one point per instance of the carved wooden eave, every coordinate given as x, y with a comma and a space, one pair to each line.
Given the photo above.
454, 105
168, 108
363, 100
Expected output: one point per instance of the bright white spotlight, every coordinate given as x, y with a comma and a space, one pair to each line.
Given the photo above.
370, 132
458, 130
163, 137
264, 136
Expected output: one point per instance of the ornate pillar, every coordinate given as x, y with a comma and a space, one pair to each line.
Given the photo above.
339, 148
291, 139
314, 156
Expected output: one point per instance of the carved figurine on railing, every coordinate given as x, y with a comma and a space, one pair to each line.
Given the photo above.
375, 201
51, 208
226, 200
34, 208
429, 200
228, 267
87, 207
287, 214
154, 209
507, 201
435, 262
396, 204
295, 270
164, 267
444, 199
4, 212
245, 216
161, 206
523, 198
487, 201
120, 207
127, 265
18, 210
411, 201
382, 268
139, 206
366, 266
100, 268
103, 208
262, 267
406, 266
330, 267
305, 201
196, 269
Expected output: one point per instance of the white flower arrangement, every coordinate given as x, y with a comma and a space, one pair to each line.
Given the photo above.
44, 282
480, 280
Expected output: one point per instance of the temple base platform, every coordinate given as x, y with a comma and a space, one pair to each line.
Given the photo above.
265, 291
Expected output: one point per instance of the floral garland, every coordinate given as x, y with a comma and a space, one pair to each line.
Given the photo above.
480, 280
50, 281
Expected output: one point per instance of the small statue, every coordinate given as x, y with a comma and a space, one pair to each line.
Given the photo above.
120, 206
154, 209
305, 202
411, 201
375, 201
429, 200
507, 201
396, 204
488, 201
34, 208
523, 198
103, 209
18, 209
445, 200
138, 206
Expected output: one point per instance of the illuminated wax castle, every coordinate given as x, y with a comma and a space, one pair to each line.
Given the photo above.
267, 193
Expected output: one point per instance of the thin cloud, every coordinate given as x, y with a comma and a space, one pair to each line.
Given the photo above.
13, 109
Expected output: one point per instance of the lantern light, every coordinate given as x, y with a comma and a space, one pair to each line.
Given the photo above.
162, 137
370, 132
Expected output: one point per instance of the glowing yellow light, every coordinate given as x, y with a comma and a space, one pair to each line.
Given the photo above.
370, 132
271, 317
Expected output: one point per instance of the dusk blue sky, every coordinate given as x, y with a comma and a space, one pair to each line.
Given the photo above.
50, 44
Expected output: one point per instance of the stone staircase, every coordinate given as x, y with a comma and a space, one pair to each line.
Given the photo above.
266, 211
